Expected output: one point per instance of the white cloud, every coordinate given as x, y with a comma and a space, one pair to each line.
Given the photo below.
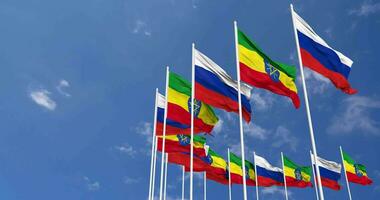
283, 137
275, 190
365, 9
356, 115
141, 27
328, 32
126, 149
256, 131
146, 130
130, 180
41, 97
60, 87
219, 126
91, 185
262, 100
315, 82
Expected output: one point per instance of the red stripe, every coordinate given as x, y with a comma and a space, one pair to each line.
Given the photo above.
267, 182
177, 113
262, 80
362, 180
175, 146
184, 160
337, 79
237, 179
170, 130
292, 182
330, 183
217, 178
220, 101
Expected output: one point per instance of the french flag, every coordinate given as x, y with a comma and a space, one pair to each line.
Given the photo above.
172, 127
317, 55
267, 175
330, 172
216, 88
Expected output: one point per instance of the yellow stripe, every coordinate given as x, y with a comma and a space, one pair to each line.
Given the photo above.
254, 61
218, 162
350, 168
207, 116
236, 169
290, 173
251, 173
169, 137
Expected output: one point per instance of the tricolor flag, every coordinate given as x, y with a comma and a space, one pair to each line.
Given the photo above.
268, 175
179, 106
216, 88
181, 143
258, 70
295, 175
356, 173
217, 170
183, 158
329, 171
317, 55
236, 170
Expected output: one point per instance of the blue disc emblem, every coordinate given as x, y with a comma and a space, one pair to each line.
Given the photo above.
197, 106
273, 73
357, 170
298, 174
184, 140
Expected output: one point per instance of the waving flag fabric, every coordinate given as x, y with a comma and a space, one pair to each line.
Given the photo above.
257, 69
356, 173
183, 158
216, 88
181, 143
267, 175
330, 172
179, 103
295, 175
317, 55
236, 171
217, 170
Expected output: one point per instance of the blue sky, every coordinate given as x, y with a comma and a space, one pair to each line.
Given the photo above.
78, 79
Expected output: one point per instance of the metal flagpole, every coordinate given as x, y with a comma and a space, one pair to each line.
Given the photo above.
229, 175
315, 178
314, 148
166, 174
164, 132
283, 172
192, 121
154, 166
256, 179
345, 174
240, 112
153, 144
183, 182
204, 186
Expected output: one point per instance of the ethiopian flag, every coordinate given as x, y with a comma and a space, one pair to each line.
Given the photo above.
258, 70
179, 106
296, 176
236, 171
181, 143
217, 170
356, 173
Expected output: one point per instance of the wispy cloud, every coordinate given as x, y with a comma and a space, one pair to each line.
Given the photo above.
130, 180
41, 97
219, 126
126, 149
365, 9
61, 86
91, 185
140, 27
262, 100
146, 130
256, 131
356, 115
275, 190
283, 137
316, 83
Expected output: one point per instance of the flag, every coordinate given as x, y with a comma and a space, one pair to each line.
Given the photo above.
217, 170
257, 69
356, 173
179, 106
329, 171
181, 143
267, 175
295, 175
317, 55
216, 88
183, 158
172, 127
236, 171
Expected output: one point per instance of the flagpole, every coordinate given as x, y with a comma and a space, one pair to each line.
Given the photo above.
283, 172
345, 173
166, 174
154, 166
153, 144
229, 175
204, 186
314, 148
183, 182
240, 112
192, 121
256, 179
164, 132
315, 178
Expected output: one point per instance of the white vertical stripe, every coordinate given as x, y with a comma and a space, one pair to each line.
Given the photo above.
160, 101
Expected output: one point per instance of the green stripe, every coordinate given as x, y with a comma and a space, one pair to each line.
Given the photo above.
291, 164
348, 158
243, 40
361, 168
179, 84
213, 154
237, 160
199, 139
